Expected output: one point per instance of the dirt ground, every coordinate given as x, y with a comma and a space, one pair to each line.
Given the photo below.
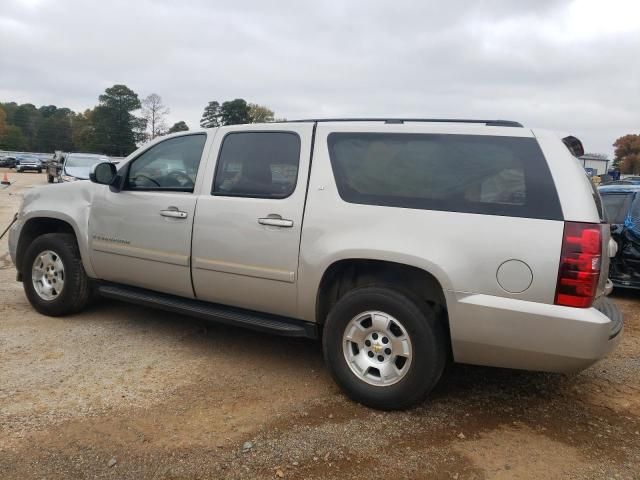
126, 392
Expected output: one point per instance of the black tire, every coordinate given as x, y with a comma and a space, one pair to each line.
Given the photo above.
76, 292
40, 171
428, 338
49, 179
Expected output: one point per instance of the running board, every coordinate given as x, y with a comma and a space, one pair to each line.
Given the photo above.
263, 322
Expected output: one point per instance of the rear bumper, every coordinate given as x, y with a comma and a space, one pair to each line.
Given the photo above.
512, 333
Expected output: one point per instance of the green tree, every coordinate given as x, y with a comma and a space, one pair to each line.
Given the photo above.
82, 132
260, 113
234, 112
180, 126
26, 118
211, 115
47, 110
116, 129
13, 139
627, 154
3, 122
10, 109
54, 130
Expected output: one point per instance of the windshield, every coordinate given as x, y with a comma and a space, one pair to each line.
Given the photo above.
85, 162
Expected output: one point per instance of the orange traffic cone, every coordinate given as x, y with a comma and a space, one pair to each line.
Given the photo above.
5, 179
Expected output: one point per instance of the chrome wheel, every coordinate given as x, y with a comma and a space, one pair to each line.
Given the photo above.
377, 348
47, 274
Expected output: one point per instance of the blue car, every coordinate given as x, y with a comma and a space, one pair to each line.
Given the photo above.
621, 204
624, 181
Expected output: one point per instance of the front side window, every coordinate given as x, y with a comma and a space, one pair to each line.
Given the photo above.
462, 173
169, 165
258, 165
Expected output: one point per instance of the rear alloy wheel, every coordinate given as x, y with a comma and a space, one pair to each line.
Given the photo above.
377, 348
384, 348
53, 275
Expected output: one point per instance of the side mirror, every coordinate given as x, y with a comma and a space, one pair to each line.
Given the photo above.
103, 173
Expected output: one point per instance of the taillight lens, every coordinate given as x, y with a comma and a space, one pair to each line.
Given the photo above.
580, 262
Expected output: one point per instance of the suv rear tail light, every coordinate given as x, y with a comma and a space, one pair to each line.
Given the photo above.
580, 262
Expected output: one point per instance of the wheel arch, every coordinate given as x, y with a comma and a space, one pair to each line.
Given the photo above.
346, 274
36, 226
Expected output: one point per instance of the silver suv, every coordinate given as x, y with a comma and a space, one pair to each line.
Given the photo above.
402, 243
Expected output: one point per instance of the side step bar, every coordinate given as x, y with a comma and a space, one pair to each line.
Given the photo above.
263, 322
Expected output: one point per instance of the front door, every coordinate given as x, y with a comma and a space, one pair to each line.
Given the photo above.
141, 235
247, 228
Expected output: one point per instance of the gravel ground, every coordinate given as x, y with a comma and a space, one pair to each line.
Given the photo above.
125, 392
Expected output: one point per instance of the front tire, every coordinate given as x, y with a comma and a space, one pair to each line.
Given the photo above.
53, 276
384, 348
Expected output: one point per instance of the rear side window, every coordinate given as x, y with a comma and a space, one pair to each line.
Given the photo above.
461, 173
258, 165
615, 206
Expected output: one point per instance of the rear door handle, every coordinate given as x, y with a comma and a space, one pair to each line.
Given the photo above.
274, 220
173, 212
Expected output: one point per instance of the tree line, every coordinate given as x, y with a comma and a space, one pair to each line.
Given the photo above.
115, 126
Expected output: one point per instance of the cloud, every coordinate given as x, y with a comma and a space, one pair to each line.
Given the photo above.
556, 64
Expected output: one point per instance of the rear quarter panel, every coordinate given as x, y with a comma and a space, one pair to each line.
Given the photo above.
462, 251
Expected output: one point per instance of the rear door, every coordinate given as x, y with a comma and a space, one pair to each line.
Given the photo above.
246, 234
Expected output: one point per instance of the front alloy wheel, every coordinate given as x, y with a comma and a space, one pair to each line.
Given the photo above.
54, 278
47, 275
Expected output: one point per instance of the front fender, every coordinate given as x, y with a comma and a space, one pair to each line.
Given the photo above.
70, 203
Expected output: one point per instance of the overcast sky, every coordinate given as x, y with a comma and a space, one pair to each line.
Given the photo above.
567, 65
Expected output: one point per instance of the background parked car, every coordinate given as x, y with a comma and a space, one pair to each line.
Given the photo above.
54, 167
77, 166
622, 210
28, 163
8, 162
626, 181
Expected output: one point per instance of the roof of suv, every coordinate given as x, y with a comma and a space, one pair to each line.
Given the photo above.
491, 123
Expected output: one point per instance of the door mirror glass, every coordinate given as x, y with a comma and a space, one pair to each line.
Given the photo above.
103, 173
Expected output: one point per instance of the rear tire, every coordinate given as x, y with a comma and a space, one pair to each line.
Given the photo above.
415, 334
49, 179
63, 264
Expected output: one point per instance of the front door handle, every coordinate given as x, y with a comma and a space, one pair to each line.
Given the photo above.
274, 220
173, 212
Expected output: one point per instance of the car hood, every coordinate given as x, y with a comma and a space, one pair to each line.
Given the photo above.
78, 172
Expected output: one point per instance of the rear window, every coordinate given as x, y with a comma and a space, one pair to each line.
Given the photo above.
462, 173
615, 206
